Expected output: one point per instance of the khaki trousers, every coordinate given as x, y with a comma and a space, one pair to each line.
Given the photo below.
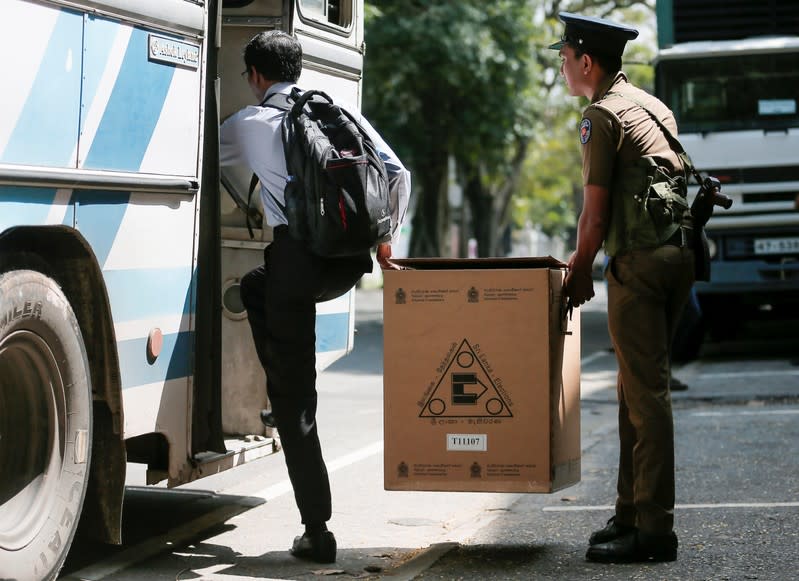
647, 290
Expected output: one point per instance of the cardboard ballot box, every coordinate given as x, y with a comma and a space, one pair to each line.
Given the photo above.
481, 376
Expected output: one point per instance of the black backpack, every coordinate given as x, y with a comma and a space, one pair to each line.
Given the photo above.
337, 193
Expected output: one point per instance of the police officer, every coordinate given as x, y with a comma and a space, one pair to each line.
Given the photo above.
649, 273
281, 295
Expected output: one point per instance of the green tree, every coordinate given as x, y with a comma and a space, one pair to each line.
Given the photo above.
550, 187
451, 79
474, 81
551, 191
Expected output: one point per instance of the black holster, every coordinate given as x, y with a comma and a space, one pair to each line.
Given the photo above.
701, 254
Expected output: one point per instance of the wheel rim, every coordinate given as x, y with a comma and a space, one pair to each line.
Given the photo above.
32, 436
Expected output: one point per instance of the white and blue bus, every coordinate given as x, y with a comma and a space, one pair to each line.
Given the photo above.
122, 334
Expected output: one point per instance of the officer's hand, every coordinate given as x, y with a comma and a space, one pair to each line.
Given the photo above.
579, 284
384, 257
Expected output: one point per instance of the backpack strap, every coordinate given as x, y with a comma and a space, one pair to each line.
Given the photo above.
281, 102
254, 182
291, 104
231, 189
300, 98
674, 143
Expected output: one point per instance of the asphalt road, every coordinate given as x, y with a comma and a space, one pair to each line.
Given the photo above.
737, 514
737, 486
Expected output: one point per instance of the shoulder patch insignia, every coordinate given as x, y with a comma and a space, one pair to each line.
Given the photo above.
585, 131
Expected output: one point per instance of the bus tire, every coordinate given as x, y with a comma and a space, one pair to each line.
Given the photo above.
45, 425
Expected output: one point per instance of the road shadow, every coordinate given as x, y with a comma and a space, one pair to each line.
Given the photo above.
362, 563
166, 537
766, 335
366, 357
155, 520
494, 561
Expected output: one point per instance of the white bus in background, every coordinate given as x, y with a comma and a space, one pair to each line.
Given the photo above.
732, 79
122, 335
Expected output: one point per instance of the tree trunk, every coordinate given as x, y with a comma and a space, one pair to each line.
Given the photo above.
481, 204
491, 208
431, 218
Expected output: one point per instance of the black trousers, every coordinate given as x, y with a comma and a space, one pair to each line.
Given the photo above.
280, 297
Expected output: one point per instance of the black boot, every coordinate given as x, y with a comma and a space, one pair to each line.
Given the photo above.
612, 530
635, 547
318, 546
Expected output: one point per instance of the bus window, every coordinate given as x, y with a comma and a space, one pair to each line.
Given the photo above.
757, 91
337, 12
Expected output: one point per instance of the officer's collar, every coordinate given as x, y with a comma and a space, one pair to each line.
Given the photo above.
607, 85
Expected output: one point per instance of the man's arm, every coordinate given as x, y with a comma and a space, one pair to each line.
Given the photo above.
591, 230
399, 187
399, 180
230, 151
384, 257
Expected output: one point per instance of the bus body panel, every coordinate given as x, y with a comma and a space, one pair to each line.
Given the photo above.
39, 125
141, 113
99, 101
103, 136
121, 109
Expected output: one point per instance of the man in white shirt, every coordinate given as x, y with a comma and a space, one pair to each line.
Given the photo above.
281, 295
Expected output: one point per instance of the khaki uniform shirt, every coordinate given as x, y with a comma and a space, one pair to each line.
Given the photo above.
610, 141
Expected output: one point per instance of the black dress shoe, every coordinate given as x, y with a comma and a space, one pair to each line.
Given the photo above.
319, 547
612, 530
268, 419
635, 547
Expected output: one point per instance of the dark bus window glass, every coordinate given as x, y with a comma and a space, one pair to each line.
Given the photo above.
337, 12
732, 93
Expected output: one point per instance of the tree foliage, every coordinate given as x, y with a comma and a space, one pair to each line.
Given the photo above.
474, 81
449, 79
550, 189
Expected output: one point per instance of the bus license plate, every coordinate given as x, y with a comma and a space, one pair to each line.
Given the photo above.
776, 245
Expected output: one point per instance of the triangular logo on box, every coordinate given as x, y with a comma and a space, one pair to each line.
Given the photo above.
465, 390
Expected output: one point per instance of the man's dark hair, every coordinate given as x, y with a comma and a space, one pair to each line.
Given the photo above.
611, 64
276, 55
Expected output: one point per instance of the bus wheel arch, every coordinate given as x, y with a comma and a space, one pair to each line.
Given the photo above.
63, 254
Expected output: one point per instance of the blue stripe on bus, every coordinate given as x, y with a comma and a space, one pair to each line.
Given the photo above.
133, 110
21, 206
176, 356
99, 36
173, 362
46, 132
98, 215
332, 331
145, 293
